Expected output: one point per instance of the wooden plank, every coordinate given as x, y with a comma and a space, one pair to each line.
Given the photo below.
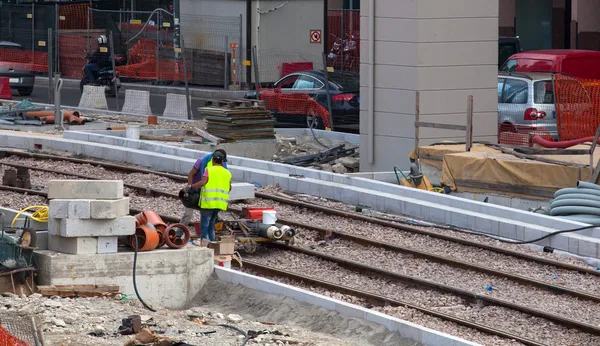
441, 126
207, 136
535, 158
79, 290
525, 190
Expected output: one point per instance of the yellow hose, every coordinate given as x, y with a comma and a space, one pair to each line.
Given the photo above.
40, 215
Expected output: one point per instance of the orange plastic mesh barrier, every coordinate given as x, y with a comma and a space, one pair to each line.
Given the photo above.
6, 339
24, 60
72, 54
521, 136
294, 103
142, 64
577, 106
74, 16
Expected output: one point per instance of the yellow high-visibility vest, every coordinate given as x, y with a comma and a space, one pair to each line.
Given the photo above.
215, 194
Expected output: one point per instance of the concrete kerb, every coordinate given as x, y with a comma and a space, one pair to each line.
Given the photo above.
347, 180
406, 329
510, 225
137, 101
331, 135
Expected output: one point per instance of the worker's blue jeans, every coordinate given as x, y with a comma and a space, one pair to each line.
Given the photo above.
89, 71
208, 217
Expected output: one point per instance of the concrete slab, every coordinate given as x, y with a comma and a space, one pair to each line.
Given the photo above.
69, 208
109, 209
406, 329
121, 226
85, 189
165, 278
75, 246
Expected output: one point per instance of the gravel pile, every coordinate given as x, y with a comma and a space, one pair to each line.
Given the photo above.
95, 322
18, 201
508, 320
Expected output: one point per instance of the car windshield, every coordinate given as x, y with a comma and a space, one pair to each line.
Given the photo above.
542, 92
347, 82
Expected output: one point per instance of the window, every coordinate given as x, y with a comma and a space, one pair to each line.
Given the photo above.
288, 82
307, 82
500, 87
542, 92
347, 82
515, 91
510, 66
505, 51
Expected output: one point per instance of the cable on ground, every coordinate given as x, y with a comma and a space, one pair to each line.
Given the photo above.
40, 215
134, 281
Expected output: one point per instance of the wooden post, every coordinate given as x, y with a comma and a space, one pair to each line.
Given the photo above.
417, 119
594, 172
469, 139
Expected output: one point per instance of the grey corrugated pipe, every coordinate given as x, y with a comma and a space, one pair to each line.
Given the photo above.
581, 204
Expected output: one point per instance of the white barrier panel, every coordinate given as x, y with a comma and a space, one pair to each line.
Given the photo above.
176, 106
137, 101
93, 97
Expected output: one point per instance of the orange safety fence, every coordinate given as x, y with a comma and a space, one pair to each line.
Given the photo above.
72, 54
25, 60
577, 106
521, 136
143, 65
6, 339
74, 16
294, 103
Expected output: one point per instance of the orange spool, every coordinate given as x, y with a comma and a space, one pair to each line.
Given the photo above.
147, 239
152, 120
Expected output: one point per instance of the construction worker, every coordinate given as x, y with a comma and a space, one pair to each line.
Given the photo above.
195, 176
214, 196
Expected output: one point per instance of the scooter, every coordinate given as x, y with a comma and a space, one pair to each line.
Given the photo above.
105, 77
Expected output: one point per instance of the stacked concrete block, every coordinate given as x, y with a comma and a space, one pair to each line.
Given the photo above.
87, 216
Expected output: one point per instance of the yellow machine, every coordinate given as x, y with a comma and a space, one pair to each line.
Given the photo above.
416, 179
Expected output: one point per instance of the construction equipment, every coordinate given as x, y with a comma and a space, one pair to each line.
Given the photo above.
250, 230
16, 256
416, 179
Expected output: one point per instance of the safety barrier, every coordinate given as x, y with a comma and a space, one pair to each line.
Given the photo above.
5, 92
577, 106
24, 60
176, 106
520, 136
93, 97
137, 101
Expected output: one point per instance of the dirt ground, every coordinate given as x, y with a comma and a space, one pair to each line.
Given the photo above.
272, 320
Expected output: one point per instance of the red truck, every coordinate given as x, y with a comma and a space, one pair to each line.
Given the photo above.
577, 63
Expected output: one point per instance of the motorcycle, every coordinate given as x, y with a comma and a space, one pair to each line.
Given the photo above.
105, 77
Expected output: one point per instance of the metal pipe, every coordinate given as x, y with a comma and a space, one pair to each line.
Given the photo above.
327, 89
371, 83
58, 113
114, 68
225, 65
188, 100
50, 66
248, 55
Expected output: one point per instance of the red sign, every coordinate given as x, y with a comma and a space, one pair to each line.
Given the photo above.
315, 36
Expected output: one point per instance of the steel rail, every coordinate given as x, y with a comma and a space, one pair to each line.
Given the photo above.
382, 300
444, 260
326, 210
353, 265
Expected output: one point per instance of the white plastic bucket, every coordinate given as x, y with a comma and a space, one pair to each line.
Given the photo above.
132, 132
269, 217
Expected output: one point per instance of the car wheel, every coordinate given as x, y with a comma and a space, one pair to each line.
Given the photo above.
25, 91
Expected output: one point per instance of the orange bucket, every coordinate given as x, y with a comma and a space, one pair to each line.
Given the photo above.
152, 120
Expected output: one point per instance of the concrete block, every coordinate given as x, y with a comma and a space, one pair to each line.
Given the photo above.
53, 226
69, 208
240, 191
124, 225
109, 209
85, 189
93, 97
75, 246
137, 102
108, 244
58, 209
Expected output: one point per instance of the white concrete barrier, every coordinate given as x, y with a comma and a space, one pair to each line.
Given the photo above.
93, 97
137, 101
176, 106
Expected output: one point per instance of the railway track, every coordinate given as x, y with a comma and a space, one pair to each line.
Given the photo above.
361, 267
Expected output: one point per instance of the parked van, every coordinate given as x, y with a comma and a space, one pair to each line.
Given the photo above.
577, 63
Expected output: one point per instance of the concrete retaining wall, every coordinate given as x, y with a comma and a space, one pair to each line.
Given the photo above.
406, 329
166, 278
443, 209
